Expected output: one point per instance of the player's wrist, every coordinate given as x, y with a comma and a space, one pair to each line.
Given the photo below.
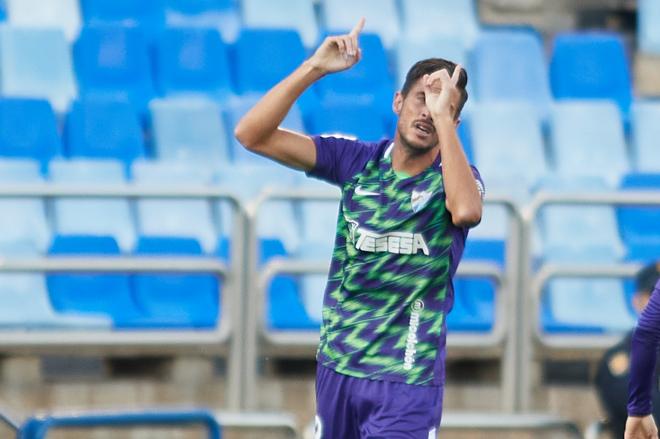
314, 68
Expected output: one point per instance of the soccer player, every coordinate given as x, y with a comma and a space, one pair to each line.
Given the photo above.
645, 344
405, 211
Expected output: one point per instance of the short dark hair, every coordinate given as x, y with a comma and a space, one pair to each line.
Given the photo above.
430, 65
647, 277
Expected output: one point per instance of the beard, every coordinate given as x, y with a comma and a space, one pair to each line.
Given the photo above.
417, 146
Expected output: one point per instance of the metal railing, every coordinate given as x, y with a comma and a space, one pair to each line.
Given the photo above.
491, 422
227, 338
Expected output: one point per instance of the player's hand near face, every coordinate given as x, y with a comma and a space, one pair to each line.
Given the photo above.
442, 93
339, 52
641, 428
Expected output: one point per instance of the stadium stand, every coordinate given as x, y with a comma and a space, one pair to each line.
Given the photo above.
648, 35
60, 14
283, 14
222, 15
148, 15
459, 18
342, 15
645, 132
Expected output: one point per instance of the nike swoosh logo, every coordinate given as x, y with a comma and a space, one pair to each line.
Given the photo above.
360, 191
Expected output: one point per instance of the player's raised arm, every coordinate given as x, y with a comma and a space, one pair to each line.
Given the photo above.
259, 129
443, 98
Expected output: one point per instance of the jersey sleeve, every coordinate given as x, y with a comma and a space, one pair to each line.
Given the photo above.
479, 180
645, 343
338, 159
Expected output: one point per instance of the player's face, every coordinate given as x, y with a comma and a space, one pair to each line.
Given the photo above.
415, 126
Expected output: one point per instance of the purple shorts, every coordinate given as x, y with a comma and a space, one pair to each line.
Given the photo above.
358, 408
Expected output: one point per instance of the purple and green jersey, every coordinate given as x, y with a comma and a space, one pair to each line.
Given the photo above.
396, 250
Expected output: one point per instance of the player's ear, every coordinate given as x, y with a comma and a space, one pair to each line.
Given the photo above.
397, 104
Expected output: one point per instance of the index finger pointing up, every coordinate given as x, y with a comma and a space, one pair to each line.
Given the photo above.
358, 28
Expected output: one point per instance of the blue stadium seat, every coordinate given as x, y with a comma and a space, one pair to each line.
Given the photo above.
588, 140
36, 63
591, 66
113, 61
25, 230
508, 132
103, 129
354, 120
28, 130
409, 50
369, 82
61, 14
283, 14
648, 32
184, 218
222, 15
92, 216
192, 61
645, 135
237, 109
175, 300
510, 66
382, 17
639, 225
465, 136
91, 293
459, 19
285, 310
189, 130
149, 15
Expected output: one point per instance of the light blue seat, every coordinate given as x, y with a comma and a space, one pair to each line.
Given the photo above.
362, 121
36, 63
588, 140
222, 15
508, 133
458, 18
285, 14
61, 14
184, 218
382, 17
645, 135
190, 130
93, 216
510, 66
237, 109
409, 50
23, 222
648, 29
639, 225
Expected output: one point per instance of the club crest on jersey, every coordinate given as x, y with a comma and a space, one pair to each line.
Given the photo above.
419, 199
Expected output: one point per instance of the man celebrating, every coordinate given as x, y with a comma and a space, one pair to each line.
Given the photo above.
406, 207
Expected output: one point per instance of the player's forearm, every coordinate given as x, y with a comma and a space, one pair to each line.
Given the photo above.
645, 343
265, 117
463, 197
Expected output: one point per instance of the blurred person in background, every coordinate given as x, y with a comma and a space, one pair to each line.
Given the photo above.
613, 373
406, 208
643, 387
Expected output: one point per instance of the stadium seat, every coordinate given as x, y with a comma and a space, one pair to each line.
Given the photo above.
113, 61
283, 14
103, 129
588, 140
192, 61
237, 109
28, 130
639, 225
645, 135
591, 66
222, 15
648, 32
409, 50
362, 121
369, 82
25, 230
510, 66
61, 14
175, 300
190, 130
92, 216
382, 18
36, 63
508, 132
458, 17
285, 310
149, 15
91, 293
184, 218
